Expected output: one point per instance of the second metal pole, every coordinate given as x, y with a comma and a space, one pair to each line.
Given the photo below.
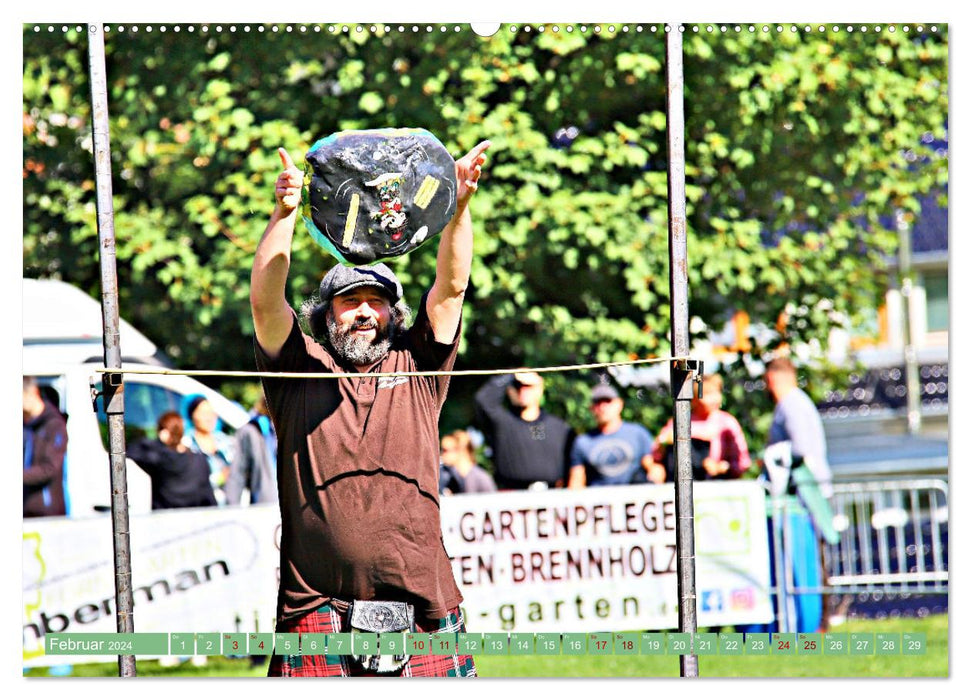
113, 393
681, 384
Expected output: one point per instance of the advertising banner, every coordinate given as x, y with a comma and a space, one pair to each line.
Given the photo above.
193, 570
604, 559
601, 559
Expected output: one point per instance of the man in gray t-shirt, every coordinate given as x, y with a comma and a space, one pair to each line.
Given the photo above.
615, 452
797, 420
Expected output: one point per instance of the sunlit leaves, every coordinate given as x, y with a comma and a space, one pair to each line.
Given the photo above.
798, 145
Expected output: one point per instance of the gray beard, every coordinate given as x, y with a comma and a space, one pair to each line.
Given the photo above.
355, 350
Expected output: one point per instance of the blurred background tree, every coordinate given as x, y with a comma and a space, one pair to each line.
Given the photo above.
800, 147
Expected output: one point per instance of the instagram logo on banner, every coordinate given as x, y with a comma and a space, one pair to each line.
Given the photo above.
743, 599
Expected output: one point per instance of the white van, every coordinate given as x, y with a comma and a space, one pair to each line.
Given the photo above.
63, 349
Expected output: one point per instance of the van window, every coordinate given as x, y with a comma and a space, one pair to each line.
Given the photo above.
144, 403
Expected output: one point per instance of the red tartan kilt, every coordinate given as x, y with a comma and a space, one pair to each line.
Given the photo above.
327, 620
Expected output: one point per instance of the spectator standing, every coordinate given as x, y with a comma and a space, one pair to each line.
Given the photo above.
529, 445
45, 444
254, 460
180, 477
797, 429
204, 436
458, 458
796, 421
719, 448
613, 452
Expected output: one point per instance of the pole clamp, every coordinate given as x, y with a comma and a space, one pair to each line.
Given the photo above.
113, 391
686, 379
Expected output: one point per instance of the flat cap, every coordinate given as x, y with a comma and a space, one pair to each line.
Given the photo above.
341, 279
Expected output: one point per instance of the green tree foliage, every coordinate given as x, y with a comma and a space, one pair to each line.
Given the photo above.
800, 147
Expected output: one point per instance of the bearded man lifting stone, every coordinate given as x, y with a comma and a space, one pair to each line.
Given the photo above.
361, 544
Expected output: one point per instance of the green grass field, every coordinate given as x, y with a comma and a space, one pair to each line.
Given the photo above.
932, 664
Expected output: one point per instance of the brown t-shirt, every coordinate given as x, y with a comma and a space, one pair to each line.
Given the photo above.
357, 469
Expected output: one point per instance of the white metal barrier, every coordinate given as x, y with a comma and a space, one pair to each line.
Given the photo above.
893, 537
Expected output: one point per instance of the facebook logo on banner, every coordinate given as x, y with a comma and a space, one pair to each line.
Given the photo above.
711, 601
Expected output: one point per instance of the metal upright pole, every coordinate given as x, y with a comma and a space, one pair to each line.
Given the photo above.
911, 367
782, 569
681, 372
113, 393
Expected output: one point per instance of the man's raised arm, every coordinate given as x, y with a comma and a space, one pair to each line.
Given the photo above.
272, 317
444, 302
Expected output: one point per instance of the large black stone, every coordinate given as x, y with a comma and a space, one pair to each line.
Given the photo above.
377, 194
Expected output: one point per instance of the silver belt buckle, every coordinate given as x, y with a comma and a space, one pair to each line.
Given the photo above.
381, 617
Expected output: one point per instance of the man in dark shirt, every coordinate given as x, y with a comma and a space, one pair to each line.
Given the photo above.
45, 444
357, 456
529, 446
